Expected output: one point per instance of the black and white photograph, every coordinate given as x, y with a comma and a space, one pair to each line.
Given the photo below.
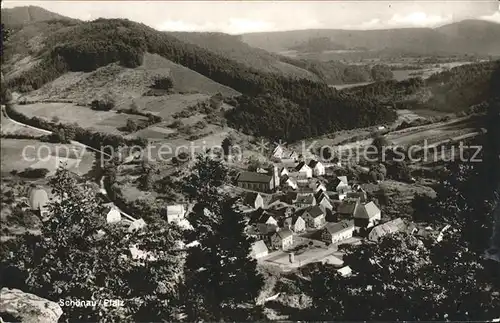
250, 161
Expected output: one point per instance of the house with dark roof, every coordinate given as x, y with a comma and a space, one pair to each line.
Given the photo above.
314, 216
347, 208
304, 200
396, 225
367, 215
282, 239
253, 200
255, 181
325, 204
264, 222
295, 223
259, 249
361, 194
317, 167
277, 153
341, 185
336, 232
304, 170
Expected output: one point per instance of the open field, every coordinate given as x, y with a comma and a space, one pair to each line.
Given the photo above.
18, 154
103, 121
166, 106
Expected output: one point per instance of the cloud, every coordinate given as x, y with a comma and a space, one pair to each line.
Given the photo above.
414, 19
494, 17
418, 19
236, 26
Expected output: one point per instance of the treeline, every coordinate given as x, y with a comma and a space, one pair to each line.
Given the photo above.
453, 90
461, 87
279, 118
89, 45
335, 72
69, 132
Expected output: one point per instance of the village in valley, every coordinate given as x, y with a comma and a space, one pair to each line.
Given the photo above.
291, 175
299, 211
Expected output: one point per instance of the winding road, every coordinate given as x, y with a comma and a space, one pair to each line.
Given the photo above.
77, 143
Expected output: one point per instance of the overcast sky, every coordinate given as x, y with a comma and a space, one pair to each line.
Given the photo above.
236, 17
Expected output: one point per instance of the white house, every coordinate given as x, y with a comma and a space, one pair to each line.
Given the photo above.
314, 216
277, 153
287, 181
317, 167
304, 170
336, 232
259, 250
367, 215
282, 239
175, 213
254, 200
340, 183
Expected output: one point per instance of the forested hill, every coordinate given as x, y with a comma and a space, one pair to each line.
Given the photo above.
86, 46
332, 72
453, 90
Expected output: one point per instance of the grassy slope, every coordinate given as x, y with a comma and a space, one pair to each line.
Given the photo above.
126, 84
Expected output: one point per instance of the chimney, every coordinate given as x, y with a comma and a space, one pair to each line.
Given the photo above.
291, 257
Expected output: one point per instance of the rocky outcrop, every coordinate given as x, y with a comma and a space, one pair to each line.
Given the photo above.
16, 305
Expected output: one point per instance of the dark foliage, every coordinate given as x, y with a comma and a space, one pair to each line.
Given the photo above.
34, 173
162, 83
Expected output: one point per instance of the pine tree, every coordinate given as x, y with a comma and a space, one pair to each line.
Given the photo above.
221, 278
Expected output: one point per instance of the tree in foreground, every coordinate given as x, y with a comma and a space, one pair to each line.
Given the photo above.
79, 256
222, 282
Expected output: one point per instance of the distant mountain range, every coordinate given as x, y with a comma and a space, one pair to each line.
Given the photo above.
465, 37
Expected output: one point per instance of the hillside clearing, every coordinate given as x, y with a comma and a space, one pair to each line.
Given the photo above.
126, 84
19, 154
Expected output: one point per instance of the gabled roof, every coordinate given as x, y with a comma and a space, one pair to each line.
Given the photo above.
265, 217
348, 206
367, 211
388, 228
300, 166
292, 220
340, 180
334, 228
259, 247
320, 195
283, 234
325, 203
254, 177
313, 163
315, 211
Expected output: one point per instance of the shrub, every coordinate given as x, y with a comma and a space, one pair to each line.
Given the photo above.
34, 172
162, 83
106, 103
131, 125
